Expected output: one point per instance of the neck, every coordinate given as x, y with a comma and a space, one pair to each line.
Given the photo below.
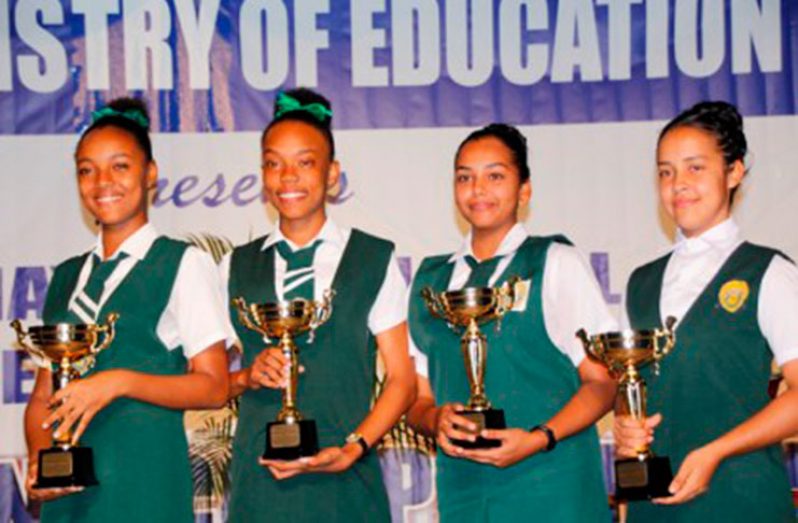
115, 235
485, 242
301, 232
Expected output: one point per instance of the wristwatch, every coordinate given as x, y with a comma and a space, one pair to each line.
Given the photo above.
550, 437
358, 438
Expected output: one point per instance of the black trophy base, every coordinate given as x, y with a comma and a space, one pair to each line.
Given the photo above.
72, 467
484, 419
287, 441
637, 480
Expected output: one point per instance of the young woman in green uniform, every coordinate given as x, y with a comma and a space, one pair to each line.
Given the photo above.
168, 354
343, 481
736, 304
548, 466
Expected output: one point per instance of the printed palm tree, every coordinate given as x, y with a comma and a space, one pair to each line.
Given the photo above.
210, 432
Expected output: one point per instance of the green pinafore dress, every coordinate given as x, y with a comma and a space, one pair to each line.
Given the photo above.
531, 379
334, 391
715, 378
140, 450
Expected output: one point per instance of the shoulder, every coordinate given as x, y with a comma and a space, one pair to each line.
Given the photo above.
432, 263
72, 264
372, 241
251, 246
653, 266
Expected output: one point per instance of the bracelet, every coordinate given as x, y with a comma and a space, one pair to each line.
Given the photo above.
550, 437
358, 438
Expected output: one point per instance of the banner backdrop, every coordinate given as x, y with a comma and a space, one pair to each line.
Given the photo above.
590, 83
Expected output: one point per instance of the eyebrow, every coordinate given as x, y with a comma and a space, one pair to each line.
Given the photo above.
689, 158
113, 157
301, 151
490, 165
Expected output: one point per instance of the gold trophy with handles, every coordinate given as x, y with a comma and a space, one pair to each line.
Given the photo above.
73, 349
624, 353
466, 309
290, 436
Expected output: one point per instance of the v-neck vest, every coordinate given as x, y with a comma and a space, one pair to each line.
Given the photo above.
140, 450
715, 378
528, 377
334, 391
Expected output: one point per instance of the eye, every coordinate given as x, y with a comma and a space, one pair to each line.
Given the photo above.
269, 164
695, 168
84, 170
307, 163
461, 177
496, 176
664, 173
121, 166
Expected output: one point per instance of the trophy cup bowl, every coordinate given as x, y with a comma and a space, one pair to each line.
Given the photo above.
73, 349
469, 308
624, 353
290, 436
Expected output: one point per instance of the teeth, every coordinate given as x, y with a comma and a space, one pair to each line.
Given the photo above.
108, 199
291, 195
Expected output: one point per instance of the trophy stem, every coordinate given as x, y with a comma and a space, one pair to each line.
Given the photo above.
474, 345
632, 401
289, 412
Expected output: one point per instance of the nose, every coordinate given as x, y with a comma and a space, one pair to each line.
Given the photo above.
104, 176
288, 174
479, 184
680, 181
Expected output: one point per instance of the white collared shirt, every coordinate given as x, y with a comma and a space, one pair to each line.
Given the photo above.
572, 299
390, 307
194, 316
696, 261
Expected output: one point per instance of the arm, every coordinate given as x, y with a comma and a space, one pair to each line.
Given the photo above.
778, 420
397, 395
204, 386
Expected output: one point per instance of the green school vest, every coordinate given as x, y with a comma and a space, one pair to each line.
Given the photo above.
531, 379
715, 378
334, 391
140, 450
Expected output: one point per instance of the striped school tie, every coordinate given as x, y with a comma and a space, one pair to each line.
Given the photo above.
86, 305
481, 271
298, 281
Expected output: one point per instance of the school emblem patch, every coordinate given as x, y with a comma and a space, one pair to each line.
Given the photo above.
732, 295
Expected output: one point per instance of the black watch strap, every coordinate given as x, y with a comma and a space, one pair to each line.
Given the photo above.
550, 437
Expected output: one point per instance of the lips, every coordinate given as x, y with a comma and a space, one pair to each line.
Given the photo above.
292, 195
107, 199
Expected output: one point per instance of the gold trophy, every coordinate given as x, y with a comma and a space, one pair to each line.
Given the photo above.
73, 347
647, 476
468, 308
291, 436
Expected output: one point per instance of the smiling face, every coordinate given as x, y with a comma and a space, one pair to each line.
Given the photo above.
695, 183
297, 172
113, 179
487, 186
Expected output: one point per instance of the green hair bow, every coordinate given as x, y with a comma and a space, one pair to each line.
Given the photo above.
134, 115
287, 104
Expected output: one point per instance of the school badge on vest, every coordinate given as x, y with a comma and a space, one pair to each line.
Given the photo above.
732, 295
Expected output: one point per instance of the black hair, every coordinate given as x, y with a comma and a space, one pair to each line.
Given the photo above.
305, 97
510, 137
720, 119
128, 114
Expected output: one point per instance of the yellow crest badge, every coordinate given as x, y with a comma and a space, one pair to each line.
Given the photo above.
732, 295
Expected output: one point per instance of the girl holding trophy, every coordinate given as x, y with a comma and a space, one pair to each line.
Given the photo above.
168, 352
547, 466
306, 256
736, 304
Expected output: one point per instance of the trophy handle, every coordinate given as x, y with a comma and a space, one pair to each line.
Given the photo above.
21, 340
668, 335
434, 303
243, 316
321, 313
108, 331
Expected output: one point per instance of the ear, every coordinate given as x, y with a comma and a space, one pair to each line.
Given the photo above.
735, 175
152, 174
525, 193
333, 174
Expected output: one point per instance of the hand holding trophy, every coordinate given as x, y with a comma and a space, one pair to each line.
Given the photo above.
290, 436
73, 348
647, 476
468, 308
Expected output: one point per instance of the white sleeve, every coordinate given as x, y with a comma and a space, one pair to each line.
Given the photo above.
390, 307
197, 315
419, 358
778, 309
224, 276
572, 300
